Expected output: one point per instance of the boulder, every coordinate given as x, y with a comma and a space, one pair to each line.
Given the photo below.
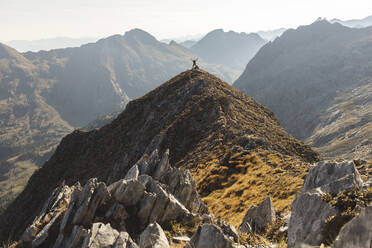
258, 217
153, 236
127, 192
309, 211
100, 235
209, 236
325, 173
103, 235
357, 233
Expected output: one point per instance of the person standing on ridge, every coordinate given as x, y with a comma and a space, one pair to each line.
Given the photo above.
194, 65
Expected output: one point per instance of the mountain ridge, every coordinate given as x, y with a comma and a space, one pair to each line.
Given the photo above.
194, 113
305, 71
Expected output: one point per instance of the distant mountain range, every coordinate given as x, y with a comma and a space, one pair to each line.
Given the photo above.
188, 43
231, 49
48, 44
317, 80
355, 23
271, 35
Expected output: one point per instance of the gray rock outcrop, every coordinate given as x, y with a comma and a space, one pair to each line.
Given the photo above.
209, 236
153, 236
357, 233
52, 210
332, 177
258, 217
97, 215
102, 235
309, 211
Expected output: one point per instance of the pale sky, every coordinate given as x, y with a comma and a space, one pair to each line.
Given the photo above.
37, 19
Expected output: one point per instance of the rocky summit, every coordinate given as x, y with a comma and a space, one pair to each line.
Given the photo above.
231, 153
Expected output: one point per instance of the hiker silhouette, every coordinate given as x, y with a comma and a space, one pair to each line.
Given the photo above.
194, 65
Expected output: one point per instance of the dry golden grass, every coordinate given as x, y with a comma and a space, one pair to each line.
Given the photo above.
232, 186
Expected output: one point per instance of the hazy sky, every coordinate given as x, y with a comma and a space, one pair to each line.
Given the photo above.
35, 19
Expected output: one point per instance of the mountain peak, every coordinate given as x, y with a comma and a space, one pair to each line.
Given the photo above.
139, 35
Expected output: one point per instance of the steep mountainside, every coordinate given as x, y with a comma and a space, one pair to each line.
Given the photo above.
225, 138
228, 48
345, 129
29, 128
311, 72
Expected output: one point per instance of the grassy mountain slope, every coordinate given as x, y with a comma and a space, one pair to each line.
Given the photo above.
210, 127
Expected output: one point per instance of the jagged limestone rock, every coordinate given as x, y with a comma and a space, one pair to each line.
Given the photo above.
103, 235
117, 214
81, 211
163, 167
165, 207
54, 207
325, 173
258, 217
309, 211
133, 173
357, 233
146, 164
127, 192
153, 236
100, 235
209, 235
74, 240
77, 214
124, 241
179, 182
